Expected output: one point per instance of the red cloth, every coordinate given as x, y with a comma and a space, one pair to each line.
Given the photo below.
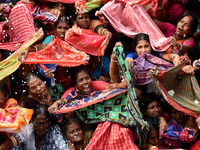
20, 26
195, 145
88, 42
111, 136
57, 52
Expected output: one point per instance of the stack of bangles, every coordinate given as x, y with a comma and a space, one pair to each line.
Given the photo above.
14, 141
181, 46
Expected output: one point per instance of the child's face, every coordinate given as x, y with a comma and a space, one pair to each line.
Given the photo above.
3, 98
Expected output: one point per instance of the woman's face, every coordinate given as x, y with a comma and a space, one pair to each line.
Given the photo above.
84, 82
184, 26
74, 133
37, 87
153, 137
61, 7
153, 109
61, 29
41, 124
83, 21
177, 115
143, 46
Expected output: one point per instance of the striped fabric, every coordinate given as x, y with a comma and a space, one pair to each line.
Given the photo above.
141, 66
20, 26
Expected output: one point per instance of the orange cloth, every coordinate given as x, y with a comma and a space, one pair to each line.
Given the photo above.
13, 118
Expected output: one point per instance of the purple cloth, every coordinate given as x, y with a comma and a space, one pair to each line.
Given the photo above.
141, 66
175, 134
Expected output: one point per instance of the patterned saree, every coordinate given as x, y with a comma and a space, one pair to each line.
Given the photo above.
116, 105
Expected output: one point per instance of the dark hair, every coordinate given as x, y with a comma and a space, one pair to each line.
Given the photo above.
38, 24
76, 72
139, 37
65, 18
65, 123
29, 76
75, 14
194, 21
153, 122
146, 100
3, 88
41, 109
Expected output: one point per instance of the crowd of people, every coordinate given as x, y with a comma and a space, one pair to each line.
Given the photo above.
99, 74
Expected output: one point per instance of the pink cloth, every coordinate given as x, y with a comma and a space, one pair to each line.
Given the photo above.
20, 26
131, 20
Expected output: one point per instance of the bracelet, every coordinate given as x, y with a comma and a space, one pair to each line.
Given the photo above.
112, 81
160, 7
180, 47
113, 60
114, 85
103, 31
36, 49
59, 102
13, 141
53, 11
173, 56
3, 147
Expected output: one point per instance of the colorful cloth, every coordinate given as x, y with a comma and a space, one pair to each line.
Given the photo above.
13, 118
141, 66
58, 52
11, 64
179, 89
131, 20
20, 27
43, 16
88, 42
111, 136
175, 134
61, 1
83, 6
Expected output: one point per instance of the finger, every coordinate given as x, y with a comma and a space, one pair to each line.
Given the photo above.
25, 55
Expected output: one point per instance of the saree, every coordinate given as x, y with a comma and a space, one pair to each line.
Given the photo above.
133, 19
61, 1
88, 42
11, 64
83, 6
12, 119
20, 27
141, 66
43, 16
122, 109
180, 90
175, 134
57, 52
150, 6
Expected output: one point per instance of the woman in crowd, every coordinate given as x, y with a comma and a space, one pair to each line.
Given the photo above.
84, 86
182, 128
150, 107
41, 134
73, 132
39, 93
181, 34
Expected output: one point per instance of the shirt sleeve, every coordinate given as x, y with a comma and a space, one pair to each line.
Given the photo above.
131, 55
167, 29
48, 39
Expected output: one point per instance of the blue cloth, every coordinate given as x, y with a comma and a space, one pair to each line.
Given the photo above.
134, 56
48, 39
101, 68
198, 27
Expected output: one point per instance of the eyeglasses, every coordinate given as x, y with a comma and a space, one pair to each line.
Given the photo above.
44, 124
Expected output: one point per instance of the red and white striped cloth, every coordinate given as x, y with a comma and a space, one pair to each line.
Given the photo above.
111, 136
20, 26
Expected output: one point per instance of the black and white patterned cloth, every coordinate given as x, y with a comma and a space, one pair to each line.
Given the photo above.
53, 139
